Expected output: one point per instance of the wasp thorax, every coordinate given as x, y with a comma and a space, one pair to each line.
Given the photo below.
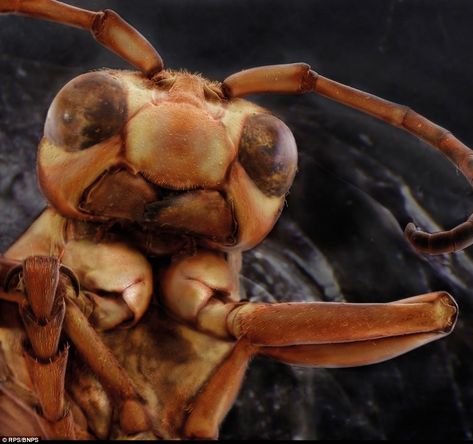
88, 110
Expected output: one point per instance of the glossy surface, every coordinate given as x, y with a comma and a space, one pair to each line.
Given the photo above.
368, 387
165, 154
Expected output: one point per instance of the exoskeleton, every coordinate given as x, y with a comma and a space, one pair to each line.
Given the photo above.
157, 182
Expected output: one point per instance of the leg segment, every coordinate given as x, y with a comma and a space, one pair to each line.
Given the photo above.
107, 27
331, 323
118, 280
211, 405
299, 78
133, 415
198, 290
43, 315
201, 290
348, 354
47, 367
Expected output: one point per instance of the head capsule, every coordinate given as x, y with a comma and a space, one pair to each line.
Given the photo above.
168, 155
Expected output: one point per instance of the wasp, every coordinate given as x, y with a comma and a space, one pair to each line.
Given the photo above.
157, 181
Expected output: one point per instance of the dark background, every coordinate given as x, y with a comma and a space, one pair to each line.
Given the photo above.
359, 183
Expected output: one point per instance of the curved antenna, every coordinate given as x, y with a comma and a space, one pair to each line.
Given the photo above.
107, 27
298, 78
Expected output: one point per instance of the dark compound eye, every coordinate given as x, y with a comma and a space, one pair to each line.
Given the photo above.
268, 153
88, 110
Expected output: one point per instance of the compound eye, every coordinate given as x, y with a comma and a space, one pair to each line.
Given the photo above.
268, 153
88, 110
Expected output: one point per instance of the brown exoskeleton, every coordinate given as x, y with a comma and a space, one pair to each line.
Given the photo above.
165, 172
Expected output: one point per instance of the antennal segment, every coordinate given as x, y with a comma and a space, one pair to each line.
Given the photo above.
107, 27
298, 78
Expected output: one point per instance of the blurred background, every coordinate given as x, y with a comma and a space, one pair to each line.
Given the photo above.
359, 183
